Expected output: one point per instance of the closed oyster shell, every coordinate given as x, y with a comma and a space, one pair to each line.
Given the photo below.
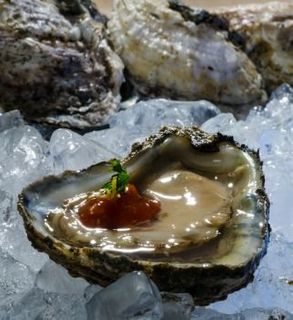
55, 64
171, 50
206, 264
267, 30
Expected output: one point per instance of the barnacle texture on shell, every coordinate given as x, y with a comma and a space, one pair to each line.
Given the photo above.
267, 30
171, 50
209, 236
55, 64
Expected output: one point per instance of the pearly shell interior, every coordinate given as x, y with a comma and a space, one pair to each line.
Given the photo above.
206, 198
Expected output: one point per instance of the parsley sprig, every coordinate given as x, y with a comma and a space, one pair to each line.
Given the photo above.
118, 181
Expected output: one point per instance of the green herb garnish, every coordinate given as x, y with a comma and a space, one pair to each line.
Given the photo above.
118, 181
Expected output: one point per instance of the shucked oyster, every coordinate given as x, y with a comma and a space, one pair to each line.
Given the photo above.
207, 239
55, 64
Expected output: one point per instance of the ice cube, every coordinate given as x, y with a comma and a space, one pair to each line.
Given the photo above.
37, 304
116, 140
54, 278
6, 209
250, 314
261, 314
283, 91
21, 158
132, 296
10, 119
71, 151
13, 239
221, 123
177, 306
208, 314
91, 290
149, 116
16, 278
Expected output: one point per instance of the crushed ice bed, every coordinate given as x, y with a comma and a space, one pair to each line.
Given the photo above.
33, 287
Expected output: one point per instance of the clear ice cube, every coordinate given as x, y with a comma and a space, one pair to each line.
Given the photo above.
70, 151
149, 116
249, 314
22, 154
16, 278
10, 119
13, 239
177, 306
54, 278
133, 296
38, 305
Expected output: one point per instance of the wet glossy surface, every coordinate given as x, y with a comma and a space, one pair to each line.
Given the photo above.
192, 205
206, 199
124, 210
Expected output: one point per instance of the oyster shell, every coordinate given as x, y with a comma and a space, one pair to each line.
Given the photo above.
171, 50
267, 30
210, 234
55, 63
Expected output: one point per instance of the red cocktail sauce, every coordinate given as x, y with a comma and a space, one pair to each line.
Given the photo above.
124, 210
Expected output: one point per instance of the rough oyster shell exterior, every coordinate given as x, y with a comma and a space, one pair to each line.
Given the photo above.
55, 64
267, 32
170, 50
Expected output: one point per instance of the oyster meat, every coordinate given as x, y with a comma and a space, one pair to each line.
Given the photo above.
207, 239
55, 63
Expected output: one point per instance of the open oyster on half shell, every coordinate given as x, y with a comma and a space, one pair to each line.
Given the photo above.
207, 239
